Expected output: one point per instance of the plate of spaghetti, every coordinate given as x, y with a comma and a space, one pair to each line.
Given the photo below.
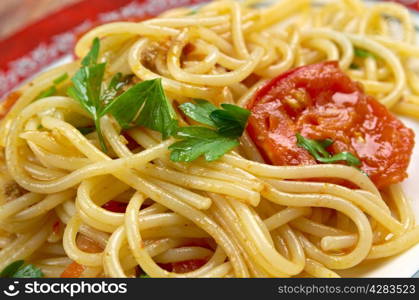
225, 139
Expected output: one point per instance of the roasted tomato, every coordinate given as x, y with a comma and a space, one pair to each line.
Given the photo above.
73, 270
320, 101
184, 266
115, 206
188, 266
8, 103
88, 245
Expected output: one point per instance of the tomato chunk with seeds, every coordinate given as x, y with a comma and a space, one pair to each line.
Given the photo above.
320, 101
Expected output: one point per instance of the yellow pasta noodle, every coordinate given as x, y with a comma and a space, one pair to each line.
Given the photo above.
235, 217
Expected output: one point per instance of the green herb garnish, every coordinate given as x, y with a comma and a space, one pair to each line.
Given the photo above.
192, 12
18, 269
363, 53
317, 148
199, 111
85, 130
87, 86
354, 66
227, 125
145, 104
60, 79
197, 141
115, 86
229, 121
52, 90
92, 56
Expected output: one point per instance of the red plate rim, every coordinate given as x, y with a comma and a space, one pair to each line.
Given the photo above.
22, 55
39, 44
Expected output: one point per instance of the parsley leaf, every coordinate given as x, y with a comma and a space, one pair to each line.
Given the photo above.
18, 269
363, 53
52, 90
145, 104
29, 271
197, 141
90, 59
199, 111
192, 12
11, 269
229, 121
115, 86
350, 159
318, 150
227, 125
86, 89
60, 79
87, 86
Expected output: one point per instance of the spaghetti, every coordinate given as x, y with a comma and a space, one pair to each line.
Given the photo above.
234, 217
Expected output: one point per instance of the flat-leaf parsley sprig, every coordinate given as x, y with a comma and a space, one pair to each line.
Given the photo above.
224, 127
146, 104
19, 269
229, 121
142, 104
197, 141
87, 87
317, 148
52, 90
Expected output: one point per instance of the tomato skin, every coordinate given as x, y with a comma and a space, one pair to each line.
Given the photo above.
73, 270
115, 206
184, 266
87, 245
8, 103
56, 227
188, 266
320, 101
